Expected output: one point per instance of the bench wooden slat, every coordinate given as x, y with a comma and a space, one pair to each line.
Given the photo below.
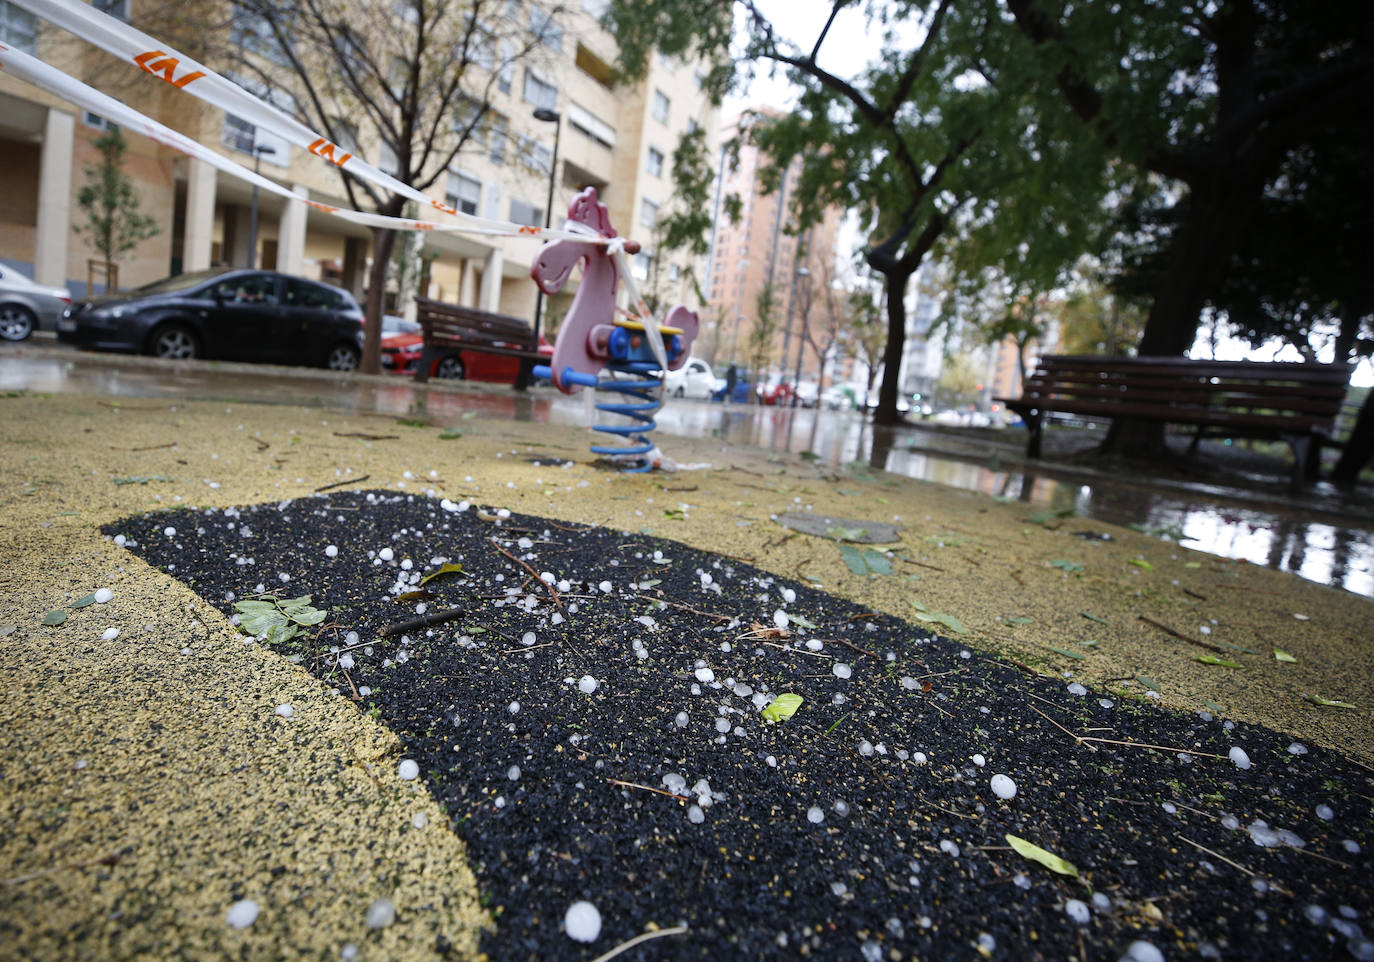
449, 328
1294, 401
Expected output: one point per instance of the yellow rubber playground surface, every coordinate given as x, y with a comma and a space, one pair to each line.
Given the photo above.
151, 784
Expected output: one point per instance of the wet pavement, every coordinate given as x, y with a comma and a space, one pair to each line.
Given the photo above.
1326, 537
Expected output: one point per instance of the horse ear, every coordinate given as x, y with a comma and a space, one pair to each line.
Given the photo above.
688, 321
587, 210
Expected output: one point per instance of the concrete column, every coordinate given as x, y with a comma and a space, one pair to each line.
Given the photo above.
467, 283
200, 215
54, 200
234, 250
489, 298
291, 233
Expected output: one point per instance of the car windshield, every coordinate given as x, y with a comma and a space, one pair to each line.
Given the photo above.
179, 282
391, 324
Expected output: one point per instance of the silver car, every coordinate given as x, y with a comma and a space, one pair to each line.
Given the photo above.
26, 306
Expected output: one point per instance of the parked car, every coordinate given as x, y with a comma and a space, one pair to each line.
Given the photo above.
776, 389
26, 307
808, 393
233, 314
695, 379
403, 344
743, 392
842, 397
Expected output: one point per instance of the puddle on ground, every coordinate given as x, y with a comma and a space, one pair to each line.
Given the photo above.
1331, 550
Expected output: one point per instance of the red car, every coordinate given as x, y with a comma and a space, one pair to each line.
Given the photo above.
402, 345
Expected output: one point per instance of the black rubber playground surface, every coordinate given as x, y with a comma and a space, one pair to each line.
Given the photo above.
597, 735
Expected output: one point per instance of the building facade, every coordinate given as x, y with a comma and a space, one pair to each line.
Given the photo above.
765, 247
613, 137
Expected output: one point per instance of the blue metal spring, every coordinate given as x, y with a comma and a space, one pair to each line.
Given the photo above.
646, 388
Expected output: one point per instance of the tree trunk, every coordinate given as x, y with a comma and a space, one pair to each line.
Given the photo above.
1359, 447
887, 412
1219, 208
383, 243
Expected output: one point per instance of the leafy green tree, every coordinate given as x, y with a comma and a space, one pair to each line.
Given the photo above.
114, 224
1213, 98
759, 343
918, 141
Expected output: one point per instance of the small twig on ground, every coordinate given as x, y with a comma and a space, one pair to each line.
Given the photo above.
647, 788
367, 437
1204, 848
356, 696
340, 484
1194, 594
553, 592
1181, 636
512, 651
688, 487
1324, 858
1016, 576
424, 621
262, 445
797, 651
780, 542
1078, 739
853, 647
920, 564
147, 447
626, 946
1258, 591
866, 616
675, 604
117, 405
108, 859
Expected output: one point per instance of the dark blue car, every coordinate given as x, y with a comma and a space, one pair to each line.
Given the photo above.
743, 392
239, 315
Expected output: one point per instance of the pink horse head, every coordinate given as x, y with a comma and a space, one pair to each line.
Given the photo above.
593, 305
594, 302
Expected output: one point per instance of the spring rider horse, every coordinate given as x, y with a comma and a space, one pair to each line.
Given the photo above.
594, 337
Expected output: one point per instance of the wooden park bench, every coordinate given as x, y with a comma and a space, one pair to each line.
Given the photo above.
448, 329
1280, 401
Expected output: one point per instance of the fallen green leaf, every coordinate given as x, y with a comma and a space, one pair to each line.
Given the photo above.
677, 514
1328, 702
809, 456
1072, 567
1020, 621
1142, 564
452, 568
1148, 682
1220, 662
408, 423
840, 533
1092, 617
1281, 655
1240, 648
801, 621
869, 561
83, 602
1078, 656
420, 595
469, 415
939, 618
1192, 564
55, 617
1213, 706
650, 583
450, 435
1037, 854
781, 708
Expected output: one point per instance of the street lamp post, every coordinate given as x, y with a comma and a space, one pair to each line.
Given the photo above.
549, 116
258, 151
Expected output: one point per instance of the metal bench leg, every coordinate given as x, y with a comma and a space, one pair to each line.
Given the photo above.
1036, 427
1313, 468
1301, 445
427, 358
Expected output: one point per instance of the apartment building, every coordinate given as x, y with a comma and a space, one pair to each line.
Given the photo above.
616, 138
766, 248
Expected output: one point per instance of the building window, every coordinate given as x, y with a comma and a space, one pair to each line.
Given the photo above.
505, 74
648, 213
464, 193
640, 268
535, 155
527, 214
655, 165
498, 126
660, 106
18, 28
545, 30
590, 126
100, 123
238, 134
119, 9
674, 272
538, 92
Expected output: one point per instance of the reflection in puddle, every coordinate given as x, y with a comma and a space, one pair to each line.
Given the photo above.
1326, 553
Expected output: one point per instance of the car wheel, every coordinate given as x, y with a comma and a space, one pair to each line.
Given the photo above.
451, 367
16, 322
343, 357
175, 342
